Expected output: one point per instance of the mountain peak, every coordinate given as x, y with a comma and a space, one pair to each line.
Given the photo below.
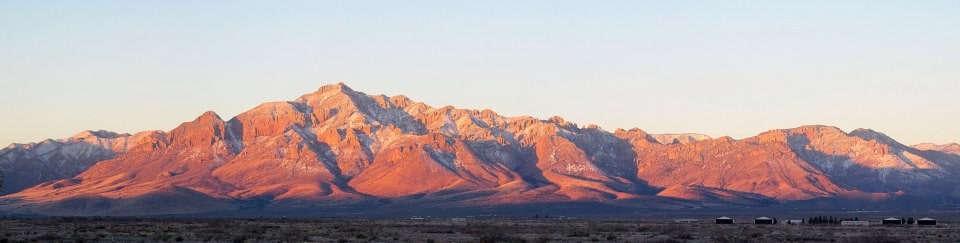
818, 128
97, 133
334, 88
206, 129
207, 116
327, 91
337, 86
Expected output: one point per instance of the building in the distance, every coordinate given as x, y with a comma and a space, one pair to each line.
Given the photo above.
724, 220
892, 221
855, 223
927, 221
763, 220
794, 221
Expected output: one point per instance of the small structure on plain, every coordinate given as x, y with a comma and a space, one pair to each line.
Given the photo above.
763, 220
891, 221
724, 220
927, 221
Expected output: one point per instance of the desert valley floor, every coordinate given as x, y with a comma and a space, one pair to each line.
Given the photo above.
449, 230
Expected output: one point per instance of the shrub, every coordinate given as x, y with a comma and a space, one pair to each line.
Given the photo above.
542, 239
876, 238
491, 236
578, 233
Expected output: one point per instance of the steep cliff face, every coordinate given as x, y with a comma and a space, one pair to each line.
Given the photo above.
26, 165
337, 146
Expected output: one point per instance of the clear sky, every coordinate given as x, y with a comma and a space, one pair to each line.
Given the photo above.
716, 67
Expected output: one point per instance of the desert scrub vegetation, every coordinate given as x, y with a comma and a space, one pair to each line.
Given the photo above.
443, 230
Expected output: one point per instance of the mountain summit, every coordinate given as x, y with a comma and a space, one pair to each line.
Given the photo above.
341, 150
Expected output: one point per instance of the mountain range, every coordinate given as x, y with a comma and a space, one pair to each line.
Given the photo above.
341, 151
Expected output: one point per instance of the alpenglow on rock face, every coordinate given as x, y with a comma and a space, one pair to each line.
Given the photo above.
26, 165
952, 148
338, 149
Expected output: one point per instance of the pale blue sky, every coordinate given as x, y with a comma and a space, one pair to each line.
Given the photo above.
716, 67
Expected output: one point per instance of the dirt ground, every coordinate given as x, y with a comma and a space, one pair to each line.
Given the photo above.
447, 230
